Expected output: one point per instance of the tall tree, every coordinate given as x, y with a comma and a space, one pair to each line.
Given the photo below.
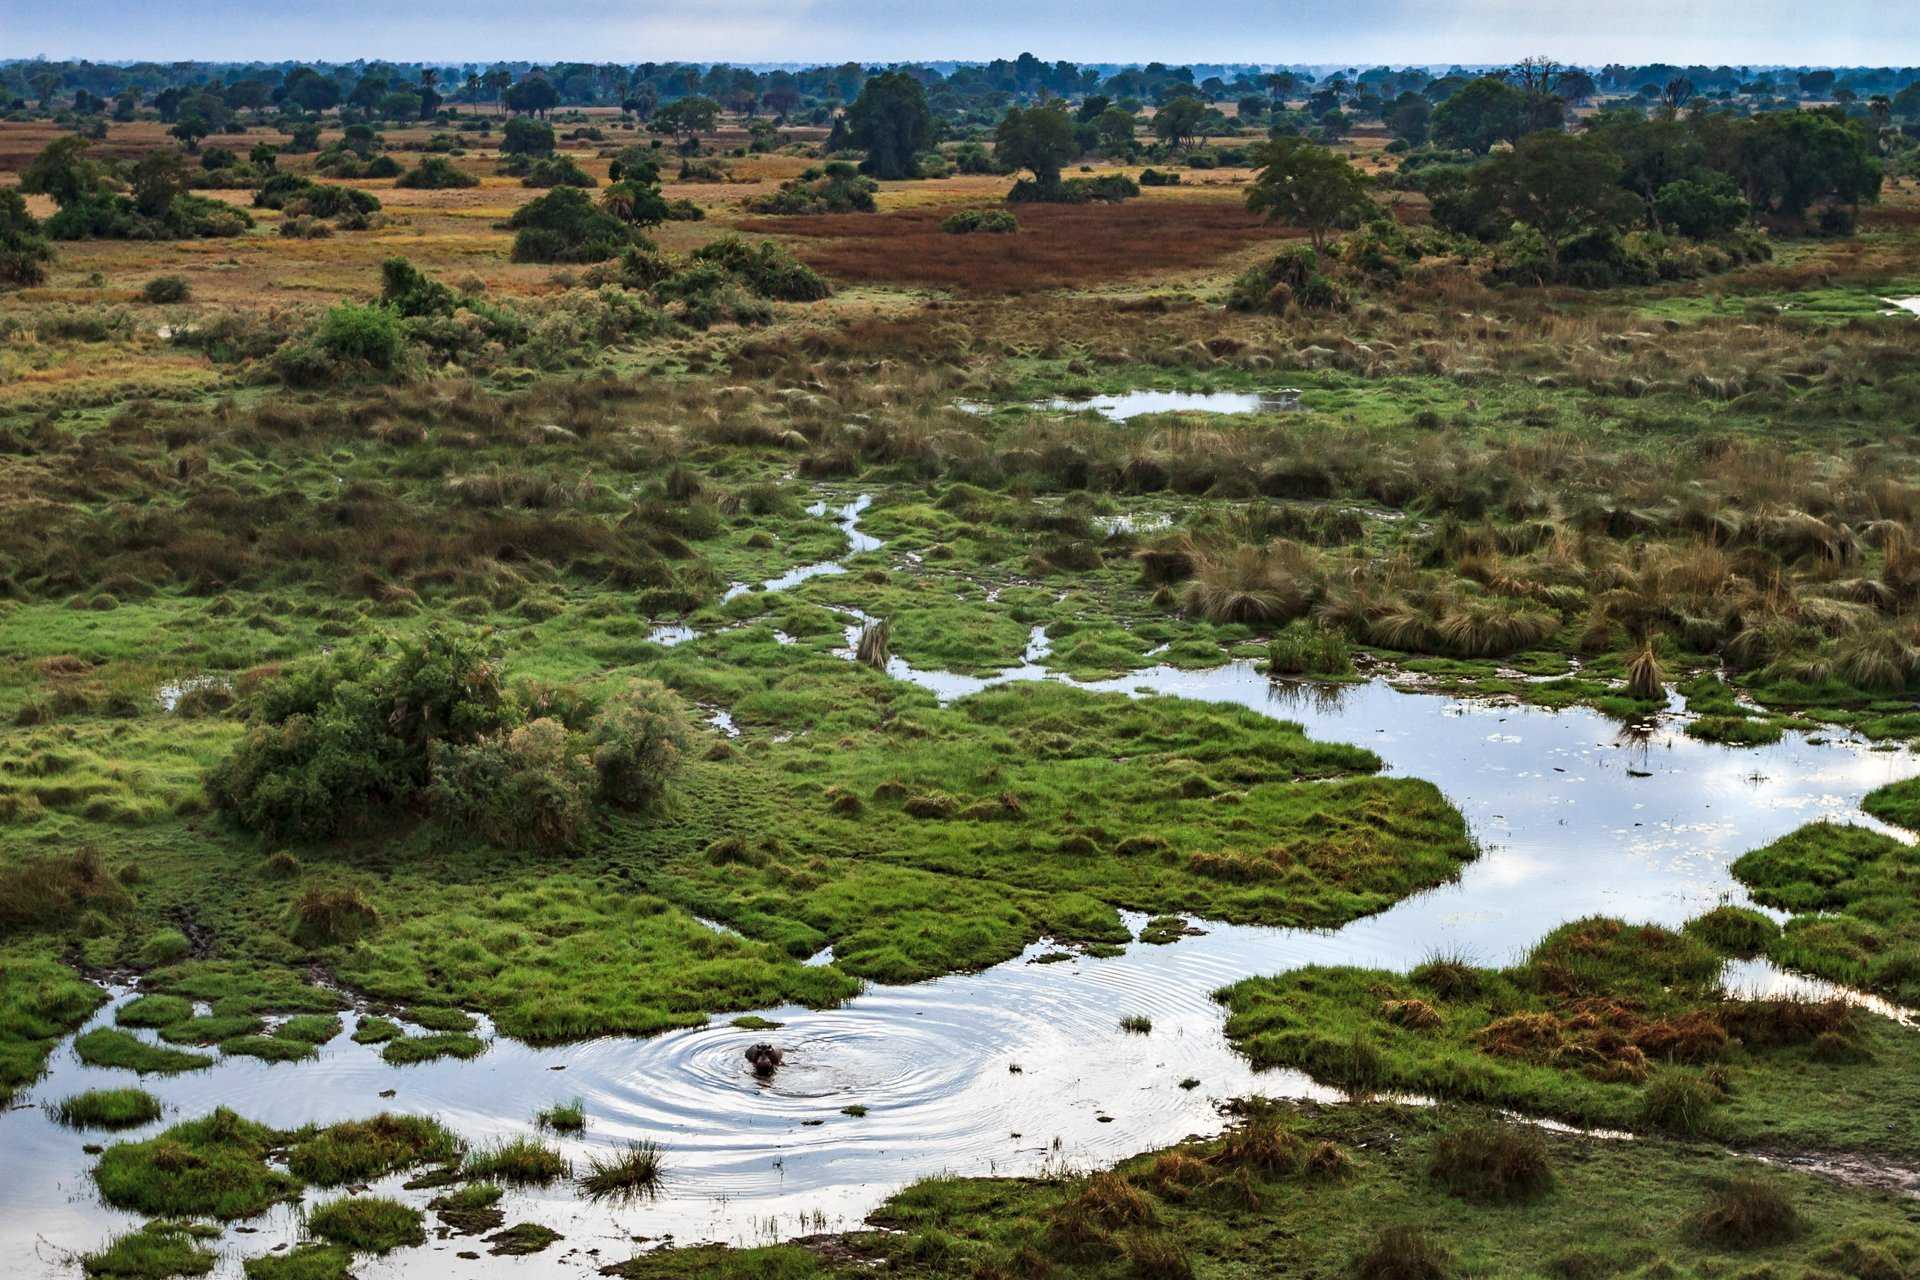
1303, 184
891, 121
1041, 139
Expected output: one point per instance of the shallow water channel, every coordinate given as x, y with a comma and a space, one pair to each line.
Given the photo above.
1022, 1066
1123, 405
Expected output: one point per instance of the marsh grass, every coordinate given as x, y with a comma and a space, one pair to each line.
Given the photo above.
108, 1047
563, 1117
405, 1050
310, 1261
109, 1109
371, 1224
156, 1250
637, 1171
362, 1150
1492, 1162
1747, 1212
515, 1162
212, 1167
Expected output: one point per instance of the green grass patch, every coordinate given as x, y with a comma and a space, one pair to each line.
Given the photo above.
370, 1224
109, 1109
214, 1167
362, 1150
155, 1251
108, 1047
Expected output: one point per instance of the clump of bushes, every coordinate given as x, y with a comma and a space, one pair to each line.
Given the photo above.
564, 226
766, 268
550, 171
301, 197
1158, 178
837, 187
1289, 279
969, 221
336, 743
436, 173
1108, 188
165, 289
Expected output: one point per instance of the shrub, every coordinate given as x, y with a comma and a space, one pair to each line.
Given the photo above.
836, 188
334, 741
1746, 1213
409, 291
1156, 178
1491, 1162
1109, 188
557, 171
164, 289
530, 786
969, 221
638, 740
565, 226
367, 334
766, 268
436, 173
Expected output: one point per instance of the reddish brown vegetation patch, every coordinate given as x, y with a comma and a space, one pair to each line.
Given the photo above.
1056, 246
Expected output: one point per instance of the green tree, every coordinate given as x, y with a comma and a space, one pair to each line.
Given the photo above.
1482, 113
535, 96
1178, 121
1409, 118
63, 171
891, 121
1041, 139
1560, 186
686, 118
1113, 131
24, 252
1790, 160
157, 179
1302, 184
525, 137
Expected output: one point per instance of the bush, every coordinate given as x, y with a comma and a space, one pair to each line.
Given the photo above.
1155, 178
836, 188
639, 739
335, 741
1491, 1162
367, 334
531, 786
24, 251
1109, 188
436, 173
564, 226
164, 289
1289, 278
968, 221
557, 171
766, 268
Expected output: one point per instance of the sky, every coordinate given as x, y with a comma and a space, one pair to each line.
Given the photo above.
1737, 32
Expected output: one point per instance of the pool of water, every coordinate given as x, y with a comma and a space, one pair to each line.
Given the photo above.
1132, 404
1021, 1067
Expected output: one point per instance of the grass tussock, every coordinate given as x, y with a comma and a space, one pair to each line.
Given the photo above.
109, 1109
516, 1162
636, 1171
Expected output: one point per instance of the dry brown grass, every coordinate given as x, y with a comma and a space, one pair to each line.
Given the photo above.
1057, 246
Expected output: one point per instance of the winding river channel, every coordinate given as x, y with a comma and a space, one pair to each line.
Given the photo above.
1021, 1067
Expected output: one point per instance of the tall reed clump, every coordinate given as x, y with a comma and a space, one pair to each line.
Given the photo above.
875, 648
636, 1171
1646, 680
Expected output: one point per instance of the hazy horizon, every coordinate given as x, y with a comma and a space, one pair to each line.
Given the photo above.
1320, 32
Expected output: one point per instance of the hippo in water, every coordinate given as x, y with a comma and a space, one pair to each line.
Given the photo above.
765, 1059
